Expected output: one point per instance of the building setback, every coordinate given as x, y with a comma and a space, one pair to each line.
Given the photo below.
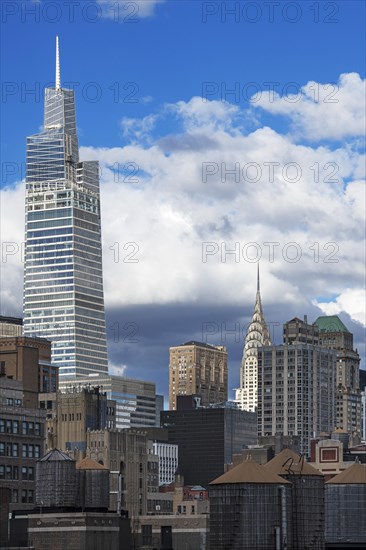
296, 391
207, 438
198, 368
63, 283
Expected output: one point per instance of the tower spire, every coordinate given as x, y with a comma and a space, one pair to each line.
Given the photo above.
258, 284
58, 74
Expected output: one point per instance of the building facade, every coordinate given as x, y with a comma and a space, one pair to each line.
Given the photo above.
198, 368
207, 438
22, 438
296, 391
63, 284
334, 334
168, 461
257, 335
135, 399
134, 469
11, 326
29, 361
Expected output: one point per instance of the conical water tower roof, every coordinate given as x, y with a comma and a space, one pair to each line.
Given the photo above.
248, 472
55, 455
287, 462
354, 474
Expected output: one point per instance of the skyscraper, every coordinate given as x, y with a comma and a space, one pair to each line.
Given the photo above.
63, 284
334, 334
198, 368
296, 388
257, 335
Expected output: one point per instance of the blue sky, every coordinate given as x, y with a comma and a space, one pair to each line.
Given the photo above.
162, 61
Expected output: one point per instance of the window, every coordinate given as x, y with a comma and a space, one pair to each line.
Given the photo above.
24, 451
15, 427
2, 448
15, 495
2, 425
15, 450
37, 451
2, 471
146, 535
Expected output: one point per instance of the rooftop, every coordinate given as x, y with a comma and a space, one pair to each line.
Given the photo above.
249, 472
354, 474
289, 463
56, 455
330, 323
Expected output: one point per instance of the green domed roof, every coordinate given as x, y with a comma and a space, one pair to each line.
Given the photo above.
330, 323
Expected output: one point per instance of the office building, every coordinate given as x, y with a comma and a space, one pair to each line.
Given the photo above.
29, 361
207, 438
63, 284
257, 335
10, 326
296, 391
198, 368
78, 411
135, 399
168, 461
334, 334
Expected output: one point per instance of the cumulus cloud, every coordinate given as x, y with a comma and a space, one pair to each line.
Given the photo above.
352, 301
186, 217
321, 111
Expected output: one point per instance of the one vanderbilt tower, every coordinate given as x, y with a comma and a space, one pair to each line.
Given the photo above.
63, 280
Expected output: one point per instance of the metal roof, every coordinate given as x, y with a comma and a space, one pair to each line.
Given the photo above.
249, 472
287, 462
330, 323
353, 474
56, 455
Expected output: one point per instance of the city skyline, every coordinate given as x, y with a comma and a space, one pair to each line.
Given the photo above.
184, 214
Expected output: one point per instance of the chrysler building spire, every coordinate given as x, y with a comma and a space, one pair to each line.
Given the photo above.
257, 335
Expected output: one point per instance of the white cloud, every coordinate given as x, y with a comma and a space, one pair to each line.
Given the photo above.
169, 213
136, 129
321, 111
117, 370
352, 301
127, 11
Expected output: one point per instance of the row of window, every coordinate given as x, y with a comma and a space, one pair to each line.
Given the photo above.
12, 472
16, 427
29, 450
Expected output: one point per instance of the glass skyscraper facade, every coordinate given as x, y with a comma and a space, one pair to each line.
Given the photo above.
63, 282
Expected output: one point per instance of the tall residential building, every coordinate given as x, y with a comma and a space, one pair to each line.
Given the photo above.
63, 284
198, 368
257, 335
335, 335
296, 391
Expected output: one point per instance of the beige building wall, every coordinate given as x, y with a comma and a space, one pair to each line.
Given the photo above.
198, 368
